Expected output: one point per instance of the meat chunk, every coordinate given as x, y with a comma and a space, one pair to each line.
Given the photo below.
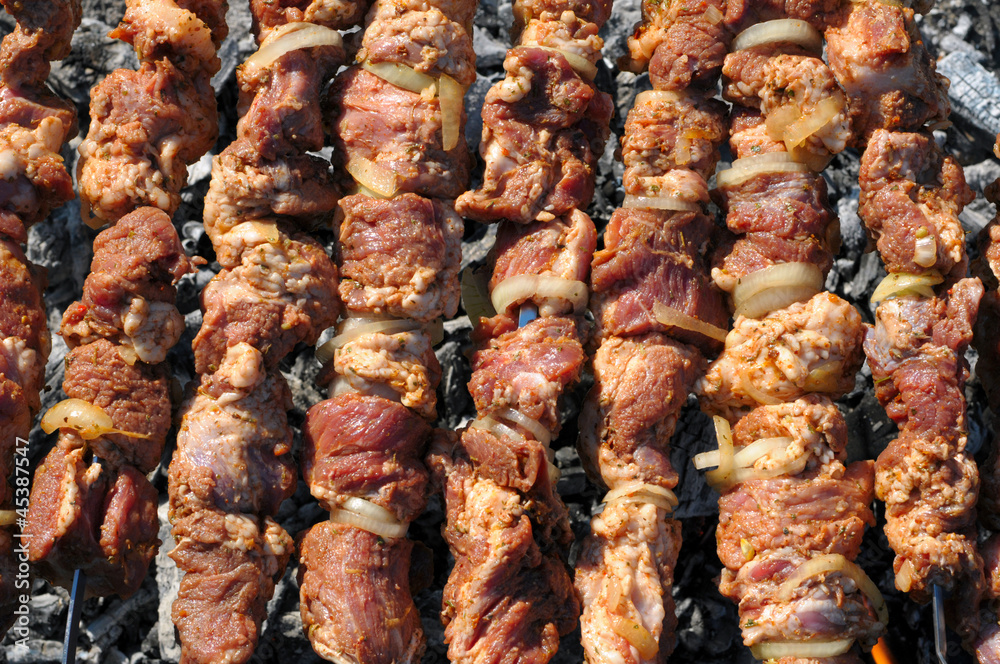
399, 131
355, 596
544, 129
748, 134
230, 564
911, 196
400, 256
128, 297
367, 447
510, 591
137, 397
745, 254
625, 576
234, 442
662, 135
146, 127
741, 14
281, 293
85, 515
812, 346
591, 11
692, 44
24, 335
879, 59
528, 369
399, 366
640, 385
336, 14
567, 32
165, 30
560, 248
650, 257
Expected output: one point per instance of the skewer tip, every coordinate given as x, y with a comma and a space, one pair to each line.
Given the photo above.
940, 637
528, 313
76, 598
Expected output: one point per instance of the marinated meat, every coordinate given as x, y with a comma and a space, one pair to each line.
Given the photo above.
400, 256
543, 130
693, 44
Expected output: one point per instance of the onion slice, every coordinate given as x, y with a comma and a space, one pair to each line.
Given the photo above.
620, 610
402, 76
580, 64
780, 31
751, 390
497, 428
293, 37
369, 174
662, 202
475, 295
521, 287
88, 420
452, 99
742, 170
640, 492
724, 435
798, 132
801, 649
749, 455
662, 96
676, 318
541, 434
353, 328
899, 284
925, 251
835, 562
366, 515
776, 287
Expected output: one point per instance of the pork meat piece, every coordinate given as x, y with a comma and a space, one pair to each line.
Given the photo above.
428, 41
591, 11
516, 461
567, 32
85, 515
136, 396
146, 127
398, 366
911, 196
128, 296
742, 255
283, 292
662, 135
509, 597
167, 30
787, 87
741, 14
650, 257
400, 257
813, 424
460, 11
335, 14
626, 569
230, 563
399, 131
544, 128
43, 33
355, 596
682, 26
234, 441
640, 385
560, 248
528, 369
811, 346
367, 447
298, 191
876, 53
24, 335
787, 205
748, 134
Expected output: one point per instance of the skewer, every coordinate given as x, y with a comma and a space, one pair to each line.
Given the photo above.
940, 636
73, 621
528, 313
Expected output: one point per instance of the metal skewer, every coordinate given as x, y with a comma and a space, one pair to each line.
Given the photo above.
940, 637
528, 313
73, 621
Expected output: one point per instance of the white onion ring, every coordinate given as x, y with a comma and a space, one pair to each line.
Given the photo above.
750, 454
452, 99
742, 170
662, 202
402, 76
372, 525
780, 31
925, 251
801, 649
641, 492
521, 287
798, 132
88, 420
776, 287
675, 318
498, 429
541, 434
898, 284
834, 562
293, 37
353, 328
724, 436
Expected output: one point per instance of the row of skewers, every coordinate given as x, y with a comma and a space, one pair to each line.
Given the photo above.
657, 317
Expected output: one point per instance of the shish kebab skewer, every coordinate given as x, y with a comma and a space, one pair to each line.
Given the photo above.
658, 315
911, 196
545, 125
792, 511
34, 125
232, 468
397, 122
